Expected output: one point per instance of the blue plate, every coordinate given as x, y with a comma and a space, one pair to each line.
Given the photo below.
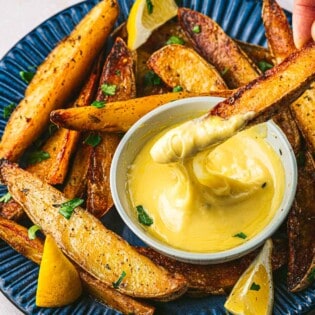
18, 276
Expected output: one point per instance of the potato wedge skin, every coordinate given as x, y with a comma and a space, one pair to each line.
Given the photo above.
17, 237
278, 31
218, 48
178, 65
117, 116
277, 87
69, 62
11, 210
86, 240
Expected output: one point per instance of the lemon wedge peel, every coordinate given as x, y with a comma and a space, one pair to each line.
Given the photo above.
141, 23
253, 293
59, 283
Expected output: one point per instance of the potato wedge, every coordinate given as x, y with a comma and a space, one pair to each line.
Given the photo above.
217, 48
11, 210
118, 72
301, 222
57, 79
17, 237
181, 66
277, 87
278, 31
117, 116
86, 241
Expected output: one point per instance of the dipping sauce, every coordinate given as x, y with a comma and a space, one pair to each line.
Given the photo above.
216, 200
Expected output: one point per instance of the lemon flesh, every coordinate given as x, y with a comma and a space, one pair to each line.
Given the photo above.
58, 281
253, 293
141, 22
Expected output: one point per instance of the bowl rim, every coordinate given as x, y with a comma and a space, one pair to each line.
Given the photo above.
201, 257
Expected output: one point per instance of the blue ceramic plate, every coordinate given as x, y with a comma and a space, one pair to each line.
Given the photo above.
18, 276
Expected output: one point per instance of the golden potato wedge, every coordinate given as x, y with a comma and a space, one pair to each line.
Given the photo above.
118, 72
278, 31
117, 116
277, 87
11, 210
56, 80
87, 241
17, 237
218, 48
180, 66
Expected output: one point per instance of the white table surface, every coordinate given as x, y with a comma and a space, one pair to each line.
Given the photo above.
17, 18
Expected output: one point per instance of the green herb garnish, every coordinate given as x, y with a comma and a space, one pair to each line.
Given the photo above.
37, 156
120, 279
6, 197
7, 111
255, 287
264, 66
177, 88
143, 217
311, 276
93, 139
151, 78
225, 71
149, 6
67, 208
27, 76
32, 231
175, 40
109, 89
52, 128
98, 104
240, 235
117, 72
196, 29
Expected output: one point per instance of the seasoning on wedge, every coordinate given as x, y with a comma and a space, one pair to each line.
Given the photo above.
253, 292
59, 283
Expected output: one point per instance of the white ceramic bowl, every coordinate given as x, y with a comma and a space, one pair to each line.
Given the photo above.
153, 123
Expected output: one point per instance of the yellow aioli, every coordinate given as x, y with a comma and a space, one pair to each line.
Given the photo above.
200, 203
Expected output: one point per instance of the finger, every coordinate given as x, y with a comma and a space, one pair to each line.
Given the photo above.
303, 18
313, 30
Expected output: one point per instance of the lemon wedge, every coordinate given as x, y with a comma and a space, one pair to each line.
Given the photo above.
145, 16
59, 283
253, 293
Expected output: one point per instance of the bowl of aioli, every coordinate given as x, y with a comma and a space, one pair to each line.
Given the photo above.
213, 206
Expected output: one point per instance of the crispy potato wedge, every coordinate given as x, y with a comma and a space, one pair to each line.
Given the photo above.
11, 210
278, 31
178, 65
278, 87
215, 279
217, 48
118, 71
301, 232
75, 185
255, 52
57, 79
117, 116
86, 241
17, 237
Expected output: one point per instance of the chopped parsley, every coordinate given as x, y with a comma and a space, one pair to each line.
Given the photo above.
151, 78
240, 235
264, 65
52, 128
27, 76
175, 40
93, 139
255, 287
7, 111
150, 6
117, 72
143, 217
225, 71
109, 89
311, 276
37, 156
196, 29
32, 231
67, 208
120, 279
98, 104
6, 197
177, 88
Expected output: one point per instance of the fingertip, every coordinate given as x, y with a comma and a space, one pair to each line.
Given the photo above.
313, 30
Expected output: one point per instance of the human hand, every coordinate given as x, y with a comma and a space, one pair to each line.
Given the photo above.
303, 21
